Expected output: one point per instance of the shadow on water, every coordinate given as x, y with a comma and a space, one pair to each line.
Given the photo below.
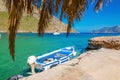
82, 50
25, 72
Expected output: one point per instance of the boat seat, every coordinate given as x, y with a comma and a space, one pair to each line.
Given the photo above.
48, 60
59, 55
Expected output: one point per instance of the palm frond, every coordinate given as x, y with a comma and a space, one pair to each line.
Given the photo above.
98, 5
74, 10
45, 14
14, 18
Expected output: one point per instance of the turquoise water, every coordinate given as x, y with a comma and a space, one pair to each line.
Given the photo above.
30, 44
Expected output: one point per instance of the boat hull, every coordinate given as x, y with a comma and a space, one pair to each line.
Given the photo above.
54, 58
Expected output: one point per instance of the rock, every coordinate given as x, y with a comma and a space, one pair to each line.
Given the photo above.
16, 77
112, 42
102, 64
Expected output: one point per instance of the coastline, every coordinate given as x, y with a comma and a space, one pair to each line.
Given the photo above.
66, 66
102, 64
110, 42
34, 32
22, 31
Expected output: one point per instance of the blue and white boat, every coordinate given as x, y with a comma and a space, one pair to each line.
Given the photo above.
56, 33
54, 58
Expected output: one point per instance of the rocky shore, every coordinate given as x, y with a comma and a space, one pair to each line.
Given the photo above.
112, 42
102, 64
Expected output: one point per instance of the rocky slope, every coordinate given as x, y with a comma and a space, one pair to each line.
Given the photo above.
115, 29
31, 24
112, 42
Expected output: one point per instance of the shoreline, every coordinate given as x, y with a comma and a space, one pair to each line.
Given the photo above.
32, 32
91, 65
60, 32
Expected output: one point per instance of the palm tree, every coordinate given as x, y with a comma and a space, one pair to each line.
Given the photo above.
70, 9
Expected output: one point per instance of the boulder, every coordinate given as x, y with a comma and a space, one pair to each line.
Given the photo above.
111, 42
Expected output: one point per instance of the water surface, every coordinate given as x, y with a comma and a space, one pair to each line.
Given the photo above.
28, 44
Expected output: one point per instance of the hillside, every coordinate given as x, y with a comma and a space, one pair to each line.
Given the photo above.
30, 24
114, 29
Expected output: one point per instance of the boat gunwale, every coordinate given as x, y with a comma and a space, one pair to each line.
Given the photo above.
54, 52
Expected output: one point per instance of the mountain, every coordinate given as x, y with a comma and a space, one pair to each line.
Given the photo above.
30, 24
114, 29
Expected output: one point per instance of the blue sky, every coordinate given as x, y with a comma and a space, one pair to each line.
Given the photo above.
107, 17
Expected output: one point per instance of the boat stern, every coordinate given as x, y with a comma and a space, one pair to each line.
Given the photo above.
32, 63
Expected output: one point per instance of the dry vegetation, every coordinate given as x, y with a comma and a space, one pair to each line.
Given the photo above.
30, 24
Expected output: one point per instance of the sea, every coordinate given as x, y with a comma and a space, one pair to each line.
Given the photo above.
27, 44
